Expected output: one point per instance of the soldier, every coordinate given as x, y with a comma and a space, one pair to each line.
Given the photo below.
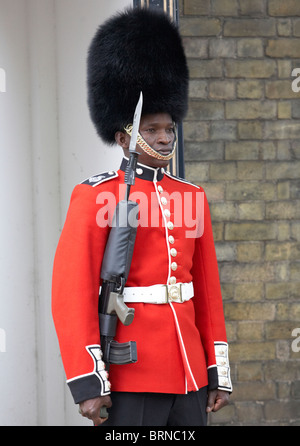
182, 371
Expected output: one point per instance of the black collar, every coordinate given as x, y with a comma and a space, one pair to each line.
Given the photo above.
145, 172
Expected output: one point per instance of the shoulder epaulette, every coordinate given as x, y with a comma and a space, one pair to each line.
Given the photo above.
181, 180
95, 180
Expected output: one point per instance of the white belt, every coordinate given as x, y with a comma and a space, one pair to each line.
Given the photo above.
159, 294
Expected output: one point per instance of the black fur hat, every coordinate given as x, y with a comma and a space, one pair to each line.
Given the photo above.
136, 50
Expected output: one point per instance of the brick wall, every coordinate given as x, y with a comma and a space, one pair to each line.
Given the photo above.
242, 144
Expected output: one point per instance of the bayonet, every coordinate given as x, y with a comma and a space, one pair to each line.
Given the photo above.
133, 154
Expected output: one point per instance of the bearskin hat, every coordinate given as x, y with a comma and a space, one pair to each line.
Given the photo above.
136, 50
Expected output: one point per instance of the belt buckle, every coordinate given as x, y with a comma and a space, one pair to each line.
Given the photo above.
174, 293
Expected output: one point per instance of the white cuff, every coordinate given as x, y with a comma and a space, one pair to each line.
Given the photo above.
224, 380
96, 353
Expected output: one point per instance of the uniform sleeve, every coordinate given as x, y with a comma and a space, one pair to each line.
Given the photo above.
75, 291
209, 307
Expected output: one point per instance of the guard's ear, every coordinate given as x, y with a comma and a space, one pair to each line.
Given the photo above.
122, 139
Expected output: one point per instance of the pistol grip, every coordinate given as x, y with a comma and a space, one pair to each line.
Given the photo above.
116, 305
128, 317
124, 313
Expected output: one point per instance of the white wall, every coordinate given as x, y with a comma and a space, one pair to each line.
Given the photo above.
18, 368
77, 135
47, 145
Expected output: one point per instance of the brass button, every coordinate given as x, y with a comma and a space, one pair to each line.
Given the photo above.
167, 213
100, 365
160, 189
171, 239
172, 280
170, 225
174, 266
173, 252
164, 201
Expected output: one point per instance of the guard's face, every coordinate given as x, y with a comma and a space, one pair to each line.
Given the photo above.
158, 131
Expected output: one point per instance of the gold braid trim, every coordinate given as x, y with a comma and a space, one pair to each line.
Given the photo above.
146, 148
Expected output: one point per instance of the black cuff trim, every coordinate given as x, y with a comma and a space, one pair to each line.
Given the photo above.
85, 388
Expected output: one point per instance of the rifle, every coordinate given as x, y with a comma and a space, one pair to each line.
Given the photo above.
116, 265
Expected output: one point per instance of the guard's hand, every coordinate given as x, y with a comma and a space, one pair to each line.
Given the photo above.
216, 399
91, 408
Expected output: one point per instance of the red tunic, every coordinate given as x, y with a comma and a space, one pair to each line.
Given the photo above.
181, 346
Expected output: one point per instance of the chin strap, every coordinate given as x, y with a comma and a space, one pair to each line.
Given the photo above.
146, 148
